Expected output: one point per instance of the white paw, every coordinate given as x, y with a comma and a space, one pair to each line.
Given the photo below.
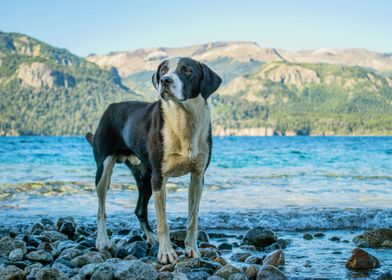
166, 254
192, 252
103, 243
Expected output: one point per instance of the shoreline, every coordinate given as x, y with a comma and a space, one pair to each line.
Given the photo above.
64, 246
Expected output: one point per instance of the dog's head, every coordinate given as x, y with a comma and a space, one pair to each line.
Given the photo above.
180, 79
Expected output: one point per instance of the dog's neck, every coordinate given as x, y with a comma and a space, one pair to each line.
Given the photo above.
186, 118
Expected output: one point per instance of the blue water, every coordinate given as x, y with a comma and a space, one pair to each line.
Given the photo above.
294, 174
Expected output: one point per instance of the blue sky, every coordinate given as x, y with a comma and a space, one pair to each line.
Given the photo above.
86, 26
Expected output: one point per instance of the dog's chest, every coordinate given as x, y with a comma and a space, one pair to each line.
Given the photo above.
185, 134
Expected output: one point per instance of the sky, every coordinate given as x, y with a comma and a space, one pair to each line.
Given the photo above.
102, 26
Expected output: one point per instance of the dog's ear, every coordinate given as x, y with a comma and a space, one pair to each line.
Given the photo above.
156, 77
210, 83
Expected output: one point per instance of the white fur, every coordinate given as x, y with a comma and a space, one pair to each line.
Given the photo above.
185, 146
177, 86
102, 240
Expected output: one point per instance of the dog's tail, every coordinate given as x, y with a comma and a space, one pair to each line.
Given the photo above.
89, 137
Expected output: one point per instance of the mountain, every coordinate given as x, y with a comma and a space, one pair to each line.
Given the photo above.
275, 92
47, 90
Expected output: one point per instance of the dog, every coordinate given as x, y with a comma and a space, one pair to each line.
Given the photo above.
167, 138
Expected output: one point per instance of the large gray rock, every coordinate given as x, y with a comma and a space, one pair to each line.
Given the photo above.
40, 256
259, 237
134, 269
226, 271
16, 255
238, 276
54, 235
49, 273
197, 263
374, 238
362, 260
7, 244
385, 276
105, 272
270, 272
87, 258
276, 258
12, 272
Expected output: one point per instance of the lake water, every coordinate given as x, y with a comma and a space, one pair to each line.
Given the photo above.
337, 185
282, 182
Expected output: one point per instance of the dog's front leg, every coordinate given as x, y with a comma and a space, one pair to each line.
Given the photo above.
166, 253
194, 196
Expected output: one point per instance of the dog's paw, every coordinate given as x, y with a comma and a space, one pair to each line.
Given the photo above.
192, 252
167, 255
152, 238
103, 243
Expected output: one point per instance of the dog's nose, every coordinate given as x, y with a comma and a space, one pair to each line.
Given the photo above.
166, 81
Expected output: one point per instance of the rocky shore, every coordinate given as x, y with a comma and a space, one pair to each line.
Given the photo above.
63, 248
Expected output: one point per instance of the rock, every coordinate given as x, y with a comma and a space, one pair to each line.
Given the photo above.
64, 220
307, 263
16, 255
270, 272
40, 256
166, 275
64, 269
307, 236
46, 247
252, 271
12, 272
385, 276
238, 276
276, 258
373, 238
362, 260
225, 246
226, 271
54, 235
70, 253
197, 263
134, 270
204, 245
248, 247
198, 275
88, 270
254, 260
282, 243
103, 273
47, 222
68, 229
180, 276
49, 273
214, 277
335, 239
29, 268
7, 244
137, 249
319, 235
37, 226
178, 236
259, 237
240, 257
87, 258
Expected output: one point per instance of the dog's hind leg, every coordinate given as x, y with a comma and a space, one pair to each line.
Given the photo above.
102, 180
194, 196
143, 182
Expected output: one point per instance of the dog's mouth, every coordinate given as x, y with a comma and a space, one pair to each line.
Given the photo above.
166, 94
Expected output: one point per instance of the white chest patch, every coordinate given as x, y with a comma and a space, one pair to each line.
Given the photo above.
185, 132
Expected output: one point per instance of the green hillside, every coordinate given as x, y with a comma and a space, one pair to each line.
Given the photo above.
49, 91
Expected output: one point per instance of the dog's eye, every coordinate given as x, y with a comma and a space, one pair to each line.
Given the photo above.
164, 69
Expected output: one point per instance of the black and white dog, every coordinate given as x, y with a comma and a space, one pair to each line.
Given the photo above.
167, 138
